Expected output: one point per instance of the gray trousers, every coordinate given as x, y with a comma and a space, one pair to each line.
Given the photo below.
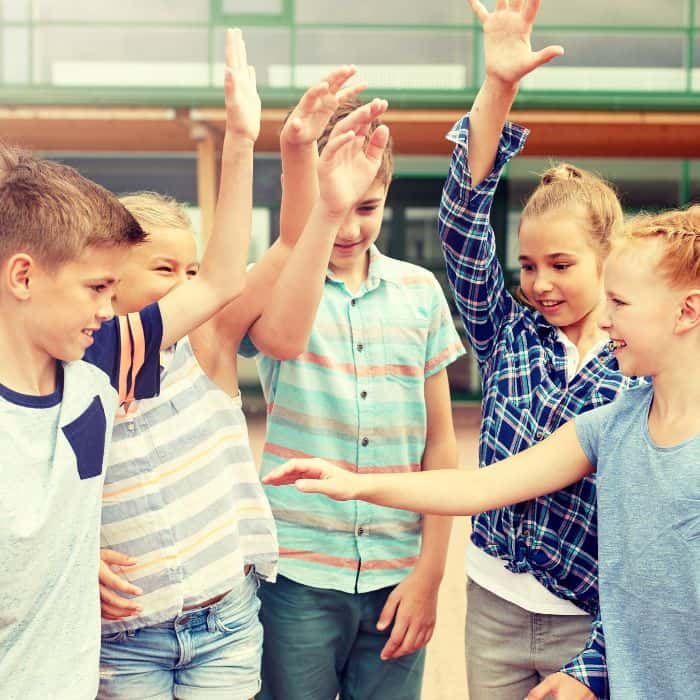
510, 650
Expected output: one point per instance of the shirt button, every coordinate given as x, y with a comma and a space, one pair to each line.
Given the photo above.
360, 530
131, 427
539, 435
353, 302
365, 442
360, 347
363, 394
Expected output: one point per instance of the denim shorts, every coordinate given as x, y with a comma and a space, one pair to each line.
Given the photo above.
203, 654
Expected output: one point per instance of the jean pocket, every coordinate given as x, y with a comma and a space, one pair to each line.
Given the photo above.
240, 607
86, 436
114, 638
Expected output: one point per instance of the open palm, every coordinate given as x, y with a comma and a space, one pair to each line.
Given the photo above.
347, 167
242, 100
508, 55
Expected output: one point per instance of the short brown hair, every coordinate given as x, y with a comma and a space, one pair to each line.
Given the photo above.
154, 209
345, 108
53, 213
564, 185
678, 231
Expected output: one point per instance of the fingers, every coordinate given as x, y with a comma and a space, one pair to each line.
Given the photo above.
541, 691
546, 55
295, 469
360, 119
377, 143
339, 76
501, 4
351, 91
388, 611
516, 5
112, 580
110, 556
530, 10
479, 10
115, 606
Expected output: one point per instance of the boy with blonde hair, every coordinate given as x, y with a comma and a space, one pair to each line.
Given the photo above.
182, 494
63, 243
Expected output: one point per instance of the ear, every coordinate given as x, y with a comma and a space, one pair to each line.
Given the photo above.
689, 314
18, 273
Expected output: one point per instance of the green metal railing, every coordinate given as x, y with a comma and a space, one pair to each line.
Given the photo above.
24, 50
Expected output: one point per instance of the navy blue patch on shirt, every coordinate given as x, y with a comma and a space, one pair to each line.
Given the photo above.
86, 435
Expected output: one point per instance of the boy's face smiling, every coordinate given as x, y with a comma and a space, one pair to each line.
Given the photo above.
167, 258
66, 306
358, 232
641, 310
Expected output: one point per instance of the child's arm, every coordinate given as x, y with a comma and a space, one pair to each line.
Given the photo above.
508, 58
413, 603
549, 466
220, 276
299, 150
283, 329
483, 148
279, 322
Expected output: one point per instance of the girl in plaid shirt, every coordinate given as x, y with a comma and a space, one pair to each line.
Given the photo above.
532, 567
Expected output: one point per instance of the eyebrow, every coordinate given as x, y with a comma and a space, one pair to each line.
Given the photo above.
551, 256
102, 280
172, 261
376, 200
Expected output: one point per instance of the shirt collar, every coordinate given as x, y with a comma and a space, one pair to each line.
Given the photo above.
380, 269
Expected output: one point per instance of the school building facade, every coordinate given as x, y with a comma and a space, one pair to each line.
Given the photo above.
130, 93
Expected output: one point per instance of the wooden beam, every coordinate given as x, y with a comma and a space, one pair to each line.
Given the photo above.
415, 131
208, 142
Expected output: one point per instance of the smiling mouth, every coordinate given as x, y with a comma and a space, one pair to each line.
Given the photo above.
614, 345
548, 304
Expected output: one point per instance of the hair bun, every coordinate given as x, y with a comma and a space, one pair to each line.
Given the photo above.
561, 171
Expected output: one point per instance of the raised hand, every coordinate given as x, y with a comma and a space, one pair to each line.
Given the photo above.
114, 606
240, 91
349, 163
309, 118
315, 476
508, 55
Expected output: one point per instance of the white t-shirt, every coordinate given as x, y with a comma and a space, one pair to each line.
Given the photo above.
52, 451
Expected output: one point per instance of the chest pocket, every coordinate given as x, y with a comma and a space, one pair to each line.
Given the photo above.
86, 435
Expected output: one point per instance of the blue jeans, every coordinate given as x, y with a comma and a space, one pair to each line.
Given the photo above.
320, 642
203, 654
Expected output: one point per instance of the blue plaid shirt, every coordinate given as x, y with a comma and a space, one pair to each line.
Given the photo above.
526, 396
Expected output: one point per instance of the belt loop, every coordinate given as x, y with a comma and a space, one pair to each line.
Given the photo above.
211, 620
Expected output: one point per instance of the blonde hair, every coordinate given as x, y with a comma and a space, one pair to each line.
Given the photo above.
678, 231
52, 212
566, 186
152, 209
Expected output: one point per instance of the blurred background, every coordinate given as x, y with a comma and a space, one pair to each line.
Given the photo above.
130, 93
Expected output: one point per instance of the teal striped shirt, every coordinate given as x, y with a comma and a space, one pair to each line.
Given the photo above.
356, 397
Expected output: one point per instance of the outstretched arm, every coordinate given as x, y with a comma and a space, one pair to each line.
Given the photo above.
549, 466
508, 58
220, 276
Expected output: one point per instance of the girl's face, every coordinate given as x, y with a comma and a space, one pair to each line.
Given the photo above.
641, 309
167, 258
560, 268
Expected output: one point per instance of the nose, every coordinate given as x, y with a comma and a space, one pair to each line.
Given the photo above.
604, 321
541, 284
106, 309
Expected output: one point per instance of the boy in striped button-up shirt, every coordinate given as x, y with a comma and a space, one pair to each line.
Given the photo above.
358, 584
